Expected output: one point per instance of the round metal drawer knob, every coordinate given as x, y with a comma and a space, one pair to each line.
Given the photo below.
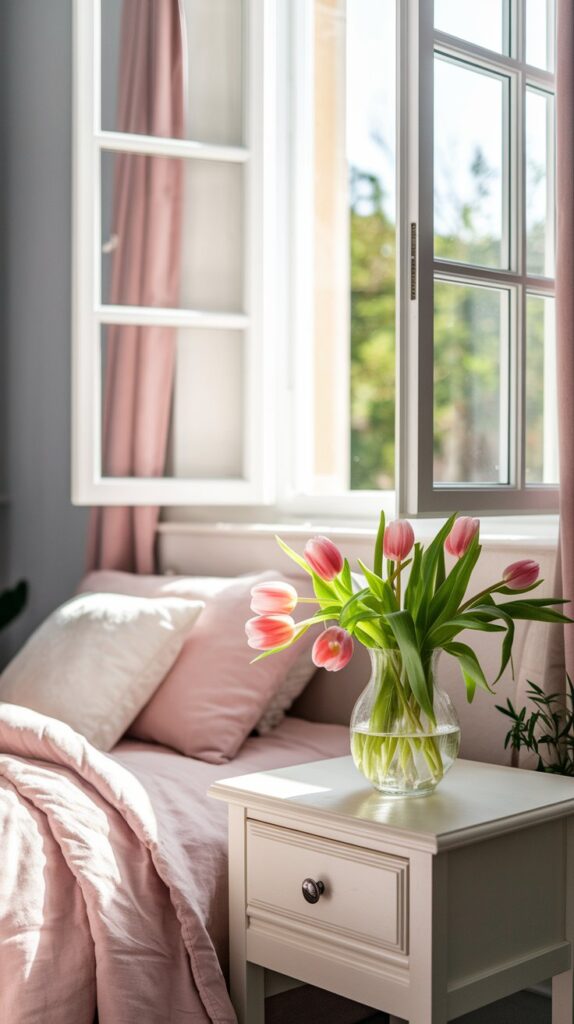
312, 890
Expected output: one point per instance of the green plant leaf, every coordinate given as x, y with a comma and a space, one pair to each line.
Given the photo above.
413, 590
403, 628
376, 583
378, 556
349, 608
432, 555
390, 603
373, 603
323, 590
359, 618
433, 573
534, 612
372, 642
449, 596
440, 569
519, 590
470, 668
294, 556
492, 612
448, 630
346, 578
506, 649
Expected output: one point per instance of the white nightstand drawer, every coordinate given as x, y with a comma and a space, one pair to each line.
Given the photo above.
365, 894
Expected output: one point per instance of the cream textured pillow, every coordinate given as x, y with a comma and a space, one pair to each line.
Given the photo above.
98, 659
294, 672
295, 682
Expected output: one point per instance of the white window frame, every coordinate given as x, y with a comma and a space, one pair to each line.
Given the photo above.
295, 497
274, 319
252, 323
417, 493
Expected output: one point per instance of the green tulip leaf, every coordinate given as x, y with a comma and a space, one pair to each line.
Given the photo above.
450, 594
378, 556
376, 583
470, 668
403, 628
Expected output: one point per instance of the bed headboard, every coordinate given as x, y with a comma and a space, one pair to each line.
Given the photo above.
234, 549
330, 696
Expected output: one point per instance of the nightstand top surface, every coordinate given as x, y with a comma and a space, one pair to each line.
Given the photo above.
473, 801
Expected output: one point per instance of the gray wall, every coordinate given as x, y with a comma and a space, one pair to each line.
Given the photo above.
42, 535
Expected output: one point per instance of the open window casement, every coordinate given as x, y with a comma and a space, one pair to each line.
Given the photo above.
477, 422
203, 169
362, 303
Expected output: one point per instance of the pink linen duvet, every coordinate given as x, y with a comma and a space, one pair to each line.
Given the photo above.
88, 908
113, 873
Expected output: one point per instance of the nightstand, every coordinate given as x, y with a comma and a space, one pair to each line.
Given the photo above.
427, 907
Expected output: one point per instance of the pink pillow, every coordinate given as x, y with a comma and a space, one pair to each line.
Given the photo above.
212, 697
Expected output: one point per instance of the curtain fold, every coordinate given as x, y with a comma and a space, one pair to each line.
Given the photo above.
146, 268
561, 648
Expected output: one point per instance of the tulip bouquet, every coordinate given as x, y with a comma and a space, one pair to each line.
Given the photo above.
400, 738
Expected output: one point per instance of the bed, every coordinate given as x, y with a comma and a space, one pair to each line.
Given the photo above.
114, 872
113, 888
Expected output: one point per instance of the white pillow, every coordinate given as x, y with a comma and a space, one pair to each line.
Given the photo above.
98, 659
207, 588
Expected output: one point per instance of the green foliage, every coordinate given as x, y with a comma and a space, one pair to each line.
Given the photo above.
467, 372
372, 241
547, 732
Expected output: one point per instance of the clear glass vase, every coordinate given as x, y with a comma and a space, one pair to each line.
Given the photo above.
393, 743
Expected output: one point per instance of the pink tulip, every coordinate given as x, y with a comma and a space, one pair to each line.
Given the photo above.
398, 540
333, 649
268, 631
461, 535
520, 575
324, 557
277, 598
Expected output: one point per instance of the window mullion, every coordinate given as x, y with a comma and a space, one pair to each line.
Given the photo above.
520, 208
415, 256
163, 316
155, 145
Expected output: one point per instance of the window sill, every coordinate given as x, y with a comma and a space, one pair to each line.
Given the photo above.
539, 532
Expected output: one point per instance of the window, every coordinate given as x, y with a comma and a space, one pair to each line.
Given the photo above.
344, 252
364, 310
172, 209
480, 309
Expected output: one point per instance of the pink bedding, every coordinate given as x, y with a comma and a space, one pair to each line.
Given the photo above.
113, 873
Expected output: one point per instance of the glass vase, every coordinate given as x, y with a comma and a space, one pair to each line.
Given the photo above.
393, 742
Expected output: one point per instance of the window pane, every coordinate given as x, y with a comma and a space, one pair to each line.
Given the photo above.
159, 252
470, 165
204, 410
483, 23
540, 214
371, 169
347, 441
470, 384
540, 33
211, 40
541, 409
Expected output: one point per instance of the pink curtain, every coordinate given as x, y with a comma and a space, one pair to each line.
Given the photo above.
147, 215
562, 649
